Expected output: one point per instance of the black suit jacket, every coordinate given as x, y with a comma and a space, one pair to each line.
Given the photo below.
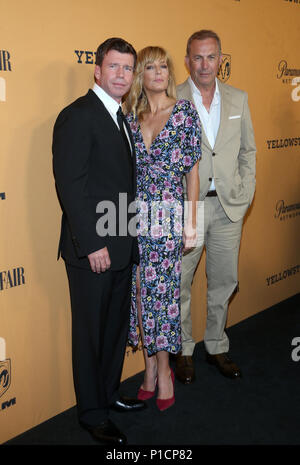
91, 165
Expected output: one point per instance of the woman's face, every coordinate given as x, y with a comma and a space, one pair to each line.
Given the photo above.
156, 76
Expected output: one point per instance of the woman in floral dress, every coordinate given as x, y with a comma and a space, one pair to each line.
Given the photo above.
167, 140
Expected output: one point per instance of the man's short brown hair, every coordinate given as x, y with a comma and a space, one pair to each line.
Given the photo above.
114, 43
202, 35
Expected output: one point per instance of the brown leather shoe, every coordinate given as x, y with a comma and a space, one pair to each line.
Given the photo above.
225, 366
184, 369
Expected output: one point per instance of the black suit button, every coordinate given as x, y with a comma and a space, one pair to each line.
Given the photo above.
213, 154
210, 179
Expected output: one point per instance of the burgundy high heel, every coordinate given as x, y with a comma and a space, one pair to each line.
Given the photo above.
145, 395
163, 404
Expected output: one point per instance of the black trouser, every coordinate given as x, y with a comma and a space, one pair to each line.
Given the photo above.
100, 319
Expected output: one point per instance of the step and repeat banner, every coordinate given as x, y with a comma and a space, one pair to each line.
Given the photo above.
47, 54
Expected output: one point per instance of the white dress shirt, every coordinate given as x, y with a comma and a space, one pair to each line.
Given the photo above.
210, 120
111, 105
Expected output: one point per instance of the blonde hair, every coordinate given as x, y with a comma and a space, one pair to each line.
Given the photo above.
136, 101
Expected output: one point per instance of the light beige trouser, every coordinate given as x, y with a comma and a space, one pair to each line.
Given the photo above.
222, 243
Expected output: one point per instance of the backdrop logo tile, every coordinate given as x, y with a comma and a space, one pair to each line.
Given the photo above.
5, 375
12, 278
288, 142
286, 73
282, 275
285, 212
225, 68
86, 57
5, 63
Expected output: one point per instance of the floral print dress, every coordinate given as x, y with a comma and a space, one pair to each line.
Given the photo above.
160, 203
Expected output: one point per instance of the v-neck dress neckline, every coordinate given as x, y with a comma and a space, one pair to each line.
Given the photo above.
162, 130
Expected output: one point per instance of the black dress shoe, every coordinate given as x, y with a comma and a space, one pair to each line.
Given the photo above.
128, 404
107, 433
184, 369
225, 366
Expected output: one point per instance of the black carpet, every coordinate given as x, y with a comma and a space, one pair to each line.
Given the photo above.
261, 408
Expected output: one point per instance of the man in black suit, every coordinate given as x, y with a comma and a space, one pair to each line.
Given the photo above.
94, 162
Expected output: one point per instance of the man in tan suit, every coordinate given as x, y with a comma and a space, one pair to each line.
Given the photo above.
227, 184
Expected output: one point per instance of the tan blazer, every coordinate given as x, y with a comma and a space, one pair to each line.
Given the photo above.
232, 160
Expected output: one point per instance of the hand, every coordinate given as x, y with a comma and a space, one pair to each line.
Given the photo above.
189, 238
99, 260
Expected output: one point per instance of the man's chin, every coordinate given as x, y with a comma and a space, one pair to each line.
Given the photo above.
119, 91
206, 81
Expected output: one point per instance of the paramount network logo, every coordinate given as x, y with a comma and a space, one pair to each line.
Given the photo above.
290, 76
284, 212
285, 73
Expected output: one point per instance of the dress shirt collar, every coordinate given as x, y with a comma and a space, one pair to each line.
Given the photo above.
110, 104
195, 90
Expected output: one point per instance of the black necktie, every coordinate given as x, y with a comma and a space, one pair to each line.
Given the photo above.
121, 122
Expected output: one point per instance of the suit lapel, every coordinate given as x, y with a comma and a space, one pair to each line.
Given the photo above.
104, 113
186, 93
114, 131
225, 109
133, 156
130, 137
